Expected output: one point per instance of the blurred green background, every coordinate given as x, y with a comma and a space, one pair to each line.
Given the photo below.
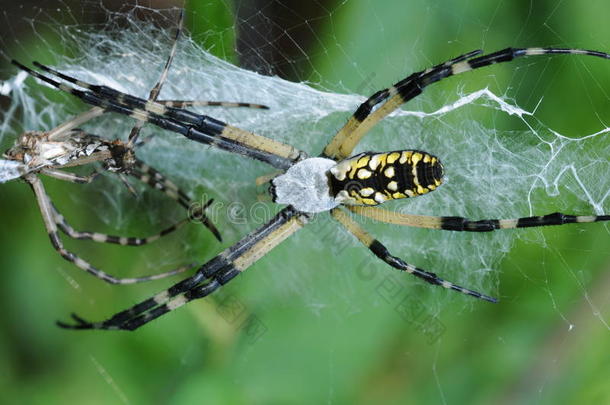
546, 342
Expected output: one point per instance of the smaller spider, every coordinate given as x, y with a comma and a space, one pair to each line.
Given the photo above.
66, 146
49, 153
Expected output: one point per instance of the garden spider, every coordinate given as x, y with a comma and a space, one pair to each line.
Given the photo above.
333, 182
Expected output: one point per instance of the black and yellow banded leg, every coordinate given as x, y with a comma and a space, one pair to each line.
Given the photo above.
156, 105
468, 225
66, 228
344, 142
206, 103
156, 180
154, 93
50, 222
379, 250
210, 276
198, 127
336, 149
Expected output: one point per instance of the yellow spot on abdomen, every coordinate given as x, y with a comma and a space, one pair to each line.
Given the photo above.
364, 174
365, 192
389, 172
374, 162
363, 161
379, 198
369, 201
393, 157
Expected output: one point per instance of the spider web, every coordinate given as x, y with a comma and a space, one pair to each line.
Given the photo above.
505, 156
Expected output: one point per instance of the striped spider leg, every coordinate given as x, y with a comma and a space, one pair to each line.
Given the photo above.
198, 127
333, 182
379, 250
208, 278
54, 221
156, 90
203, 129
50, 153
153, 96
156, 180
388, 100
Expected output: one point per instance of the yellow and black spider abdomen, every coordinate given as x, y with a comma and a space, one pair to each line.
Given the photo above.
373, 178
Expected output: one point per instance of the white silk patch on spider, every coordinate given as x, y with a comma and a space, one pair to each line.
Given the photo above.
11, 170
490, 173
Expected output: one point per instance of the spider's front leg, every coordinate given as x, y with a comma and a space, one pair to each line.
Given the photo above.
344, 142
210, 276
198, 127
340, 148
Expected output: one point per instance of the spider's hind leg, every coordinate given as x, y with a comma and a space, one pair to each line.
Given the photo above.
153, 307
344, 142
379, 250
462, 224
